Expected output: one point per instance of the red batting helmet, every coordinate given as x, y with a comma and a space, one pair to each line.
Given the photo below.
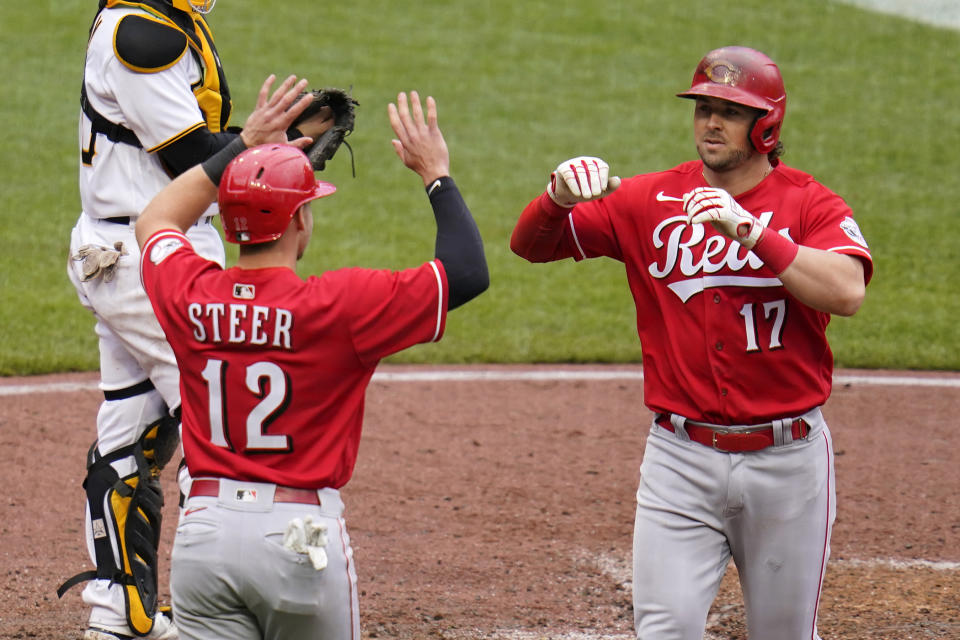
261, 190
748, 77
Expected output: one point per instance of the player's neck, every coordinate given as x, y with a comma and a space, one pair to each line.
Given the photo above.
275, 256
742, 178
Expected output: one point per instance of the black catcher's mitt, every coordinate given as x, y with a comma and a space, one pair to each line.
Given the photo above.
343, 106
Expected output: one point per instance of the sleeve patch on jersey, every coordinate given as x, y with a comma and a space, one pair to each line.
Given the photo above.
163, 248
850, 228
146, 45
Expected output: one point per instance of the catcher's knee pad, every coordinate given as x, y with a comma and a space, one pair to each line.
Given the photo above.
160, 439
125, 518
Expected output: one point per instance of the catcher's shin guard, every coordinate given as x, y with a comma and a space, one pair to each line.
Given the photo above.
125, 515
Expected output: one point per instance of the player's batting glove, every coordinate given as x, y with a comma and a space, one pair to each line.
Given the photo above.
581, 179
716, 206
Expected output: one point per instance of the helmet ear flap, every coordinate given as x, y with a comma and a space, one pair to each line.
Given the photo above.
766, 132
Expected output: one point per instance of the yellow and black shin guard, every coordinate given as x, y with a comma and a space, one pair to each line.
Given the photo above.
125, 516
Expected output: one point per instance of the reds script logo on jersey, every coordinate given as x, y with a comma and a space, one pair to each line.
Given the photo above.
681, 248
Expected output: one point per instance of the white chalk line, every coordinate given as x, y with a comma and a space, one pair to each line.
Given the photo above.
480, 374
619, 569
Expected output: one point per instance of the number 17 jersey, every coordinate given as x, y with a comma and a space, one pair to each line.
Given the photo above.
723, 341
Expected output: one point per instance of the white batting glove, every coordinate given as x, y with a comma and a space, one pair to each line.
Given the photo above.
716, 206
581, 179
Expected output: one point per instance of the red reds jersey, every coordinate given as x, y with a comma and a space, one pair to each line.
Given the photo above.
274, 369
722, 339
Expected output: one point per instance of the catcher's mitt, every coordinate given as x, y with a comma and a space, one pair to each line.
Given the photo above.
343, 106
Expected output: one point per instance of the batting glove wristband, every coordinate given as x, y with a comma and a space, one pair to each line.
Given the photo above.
716, 206
579, 180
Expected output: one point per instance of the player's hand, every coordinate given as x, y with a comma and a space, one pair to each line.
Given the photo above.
716, 206
275, 113
317, 124
419, 142
581, 179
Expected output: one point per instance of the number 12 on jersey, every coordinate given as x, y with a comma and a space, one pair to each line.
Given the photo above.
265, 380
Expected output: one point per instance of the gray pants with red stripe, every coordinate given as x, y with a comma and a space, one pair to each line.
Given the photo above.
771, 511
232, 577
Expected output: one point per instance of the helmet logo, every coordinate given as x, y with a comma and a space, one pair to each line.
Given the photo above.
722, 72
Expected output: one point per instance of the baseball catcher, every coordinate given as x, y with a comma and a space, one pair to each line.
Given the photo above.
326, 104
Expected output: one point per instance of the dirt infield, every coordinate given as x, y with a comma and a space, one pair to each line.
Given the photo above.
485, 507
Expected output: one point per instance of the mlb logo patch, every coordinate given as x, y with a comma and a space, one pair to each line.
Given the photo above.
244, 291
246, 495
853, 231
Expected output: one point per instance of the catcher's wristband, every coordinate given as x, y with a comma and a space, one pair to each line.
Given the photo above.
776, 251
215, 165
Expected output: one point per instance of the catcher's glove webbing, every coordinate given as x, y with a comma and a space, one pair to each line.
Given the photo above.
343, 106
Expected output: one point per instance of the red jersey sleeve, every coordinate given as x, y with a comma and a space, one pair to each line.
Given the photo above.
166, 259
829, 225
394, 310
543, 233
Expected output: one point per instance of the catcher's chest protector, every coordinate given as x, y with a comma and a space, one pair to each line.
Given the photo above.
212, 92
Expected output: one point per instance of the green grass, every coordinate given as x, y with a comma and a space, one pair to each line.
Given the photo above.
872, 114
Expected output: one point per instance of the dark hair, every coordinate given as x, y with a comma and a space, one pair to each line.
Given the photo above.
774, 155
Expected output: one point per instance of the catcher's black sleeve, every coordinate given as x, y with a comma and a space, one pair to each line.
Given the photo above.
193, 148
459, 245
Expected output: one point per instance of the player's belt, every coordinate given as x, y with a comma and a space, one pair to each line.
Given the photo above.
730, 440
210, 487
127, 219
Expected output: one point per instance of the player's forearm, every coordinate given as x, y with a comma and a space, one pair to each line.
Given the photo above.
827, 281
538, 236
178, 205
459, 245
194, 148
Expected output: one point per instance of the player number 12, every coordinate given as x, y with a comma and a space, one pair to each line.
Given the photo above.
259, 376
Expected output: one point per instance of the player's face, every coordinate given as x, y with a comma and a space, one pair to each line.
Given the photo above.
722, 132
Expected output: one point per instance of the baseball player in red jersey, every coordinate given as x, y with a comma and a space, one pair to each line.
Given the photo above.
735, 262
274, 370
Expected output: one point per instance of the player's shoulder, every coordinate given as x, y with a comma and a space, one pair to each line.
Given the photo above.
805, 183
795, 176
146, 42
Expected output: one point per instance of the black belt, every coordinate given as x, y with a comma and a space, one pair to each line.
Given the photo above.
127, 219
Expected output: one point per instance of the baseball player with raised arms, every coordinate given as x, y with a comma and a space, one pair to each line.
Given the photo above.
154, 102
274, 370
735, 262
